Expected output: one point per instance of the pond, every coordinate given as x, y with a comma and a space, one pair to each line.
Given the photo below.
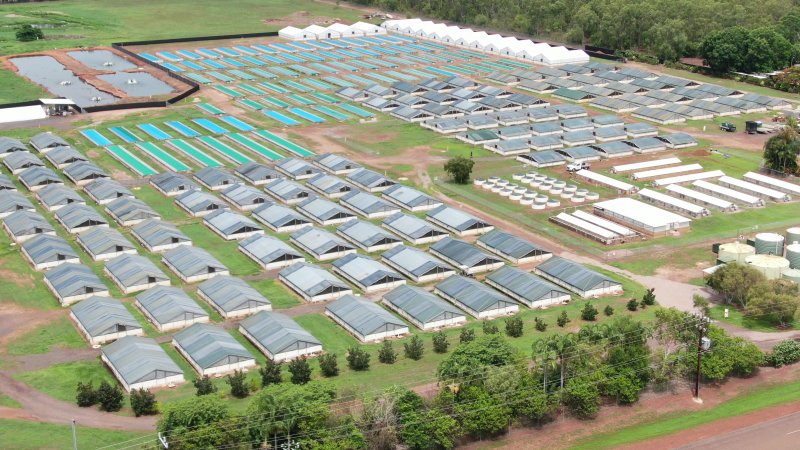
102, 60
51, 74
138, 84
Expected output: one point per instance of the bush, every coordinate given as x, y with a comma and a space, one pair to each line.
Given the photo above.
328, 365
86, 395
490, 328
786, 352
28, 32
649, 298
582, 397
270, 373
563, 319
466, 335
414, 348
238, 382
514, 327
539, 324
204, 386
632, 305
608, 310
143, 402
440, 343
358, 358
300, 371
589, 312
110, 397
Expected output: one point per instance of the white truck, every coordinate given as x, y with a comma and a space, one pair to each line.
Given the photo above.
576, 166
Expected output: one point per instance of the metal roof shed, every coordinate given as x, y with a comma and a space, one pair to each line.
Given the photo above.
335, 164
230, 225
46, 141
423, 309
35, 178
279, 337
134, 273
324, 212
641, 216
105, 190
280, 218
103, 319
368, 205
526, 287
287, 191
417, 265
169, 308
140, 363
84, 172
313, 283
24, 225
410, 198
6, 185
368, 236
10, 145
458, 222
256, 173
244, 197
546, 158
464, 256
63, 156
129, 211
585, 282
19, 161
370, 181
158, 236
193, 264
72, 283
414, 229
76, 218
330, 186
215, 178
200, 203
678, 140
13, 201
321, 244
45, 252
232, 297
476, 298
211, 350
366, 273
103, 244
365, 320
172, 184
270, 252
512, 248
296, 168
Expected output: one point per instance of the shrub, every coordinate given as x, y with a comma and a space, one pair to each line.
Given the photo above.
86, 395
238, 382
608, 310
143, 402
270, 373
786, 352
414, 348
514, 327
204, 386
466, 335
649, 298
328, 365
632, 305
300, 370
589, 312
489, 328
110, 397
582, 397
28, 32
563, 319
440, 343
358, 358
539, 324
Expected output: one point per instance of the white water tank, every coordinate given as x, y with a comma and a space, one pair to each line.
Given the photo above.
771, 266
769, 244
735, 252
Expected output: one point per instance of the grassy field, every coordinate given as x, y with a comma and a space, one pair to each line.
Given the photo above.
8, 402
737, 317
23, 435
14, 88
276, 292
758, 398
60, 380
58, 334
21, 285
225, 251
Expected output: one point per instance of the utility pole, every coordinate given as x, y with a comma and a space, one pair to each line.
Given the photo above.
74, 437
703, 344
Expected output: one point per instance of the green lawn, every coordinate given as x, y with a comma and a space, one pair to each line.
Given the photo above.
757, 398
21, 285
14, 88
58, 334
737, 317
276, 292
60, 380
225, 251
24, 434
8, 402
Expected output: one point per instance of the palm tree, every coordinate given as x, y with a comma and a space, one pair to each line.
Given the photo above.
546, 358
562, 345
781, 150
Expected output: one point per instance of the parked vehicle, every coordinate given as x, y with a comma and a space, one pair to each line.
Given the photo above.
727, 126
576, 166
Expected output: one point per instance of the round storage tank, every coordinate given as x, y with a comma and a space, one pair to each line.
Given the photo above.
791, 275
793, 235
735, 252
769, 244
793, 255
771, 266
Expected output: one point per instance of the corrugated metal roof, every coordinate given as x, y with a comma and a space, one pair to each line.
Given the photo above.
22, 160
102, 315
39, 176
58, 195
421, 304
256, 172
6, 184
138, 359
506, 243
26, 223
412, 226
229, 223
74, 279
296, 167
133, 270
278, 333
366, 234
364, 316
525, 284
415, 261
366, 270
322, 210
366, 203
167, 304
330, 184
244, 195
312, 279
269, 249
46, 248
101, 240
47, 139
456, 219
198, 201
156, 232
573, 274
130, 208
287, 190
473, 294
231, 294
320, 241
409, 197
211, 346
77, 215
172, 182
14, 201
84, 170
335, 163
9, 145
214, 176
65, 155
106, 189
369, 179
463, 253
193, 261
279, 216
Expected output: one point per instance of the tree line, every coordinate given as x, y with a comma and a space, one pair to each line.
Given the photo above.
667, 29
